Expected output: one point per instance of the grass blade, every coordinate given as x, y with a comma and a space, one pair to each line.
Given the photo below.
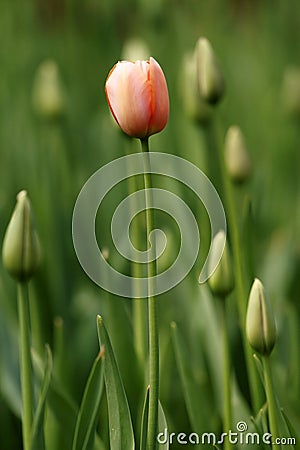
196, 403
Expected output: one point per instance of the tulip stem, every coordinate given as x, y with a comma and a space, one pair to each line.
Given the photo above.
25, 363
139, 307
152, 307
227, 412
271, 400
216, 153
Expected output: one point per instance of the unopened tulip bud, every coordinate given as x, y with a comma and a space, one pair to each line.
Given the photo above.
291, 91
21, 247
138, 98
48, 96
260, 322
236, 156
221, 281
195, 107
210, 77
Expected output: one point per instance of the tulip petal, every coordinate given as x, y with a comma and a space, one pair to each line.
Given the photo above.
160, 98
137, 95
129, 95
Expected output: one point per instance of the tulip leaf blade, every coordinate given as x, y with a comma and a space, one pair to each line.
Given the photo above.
162, 424
195, 408
37, 432
144, 423
291, 429
59, 403
88, 412
120, 425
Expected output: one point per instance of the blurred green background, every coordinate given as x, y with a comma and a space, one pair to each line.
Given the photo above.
51, 153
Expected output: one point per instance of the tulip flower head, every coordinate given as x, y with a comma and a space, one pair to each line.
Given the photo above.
221, 281
210, 77
21, 251
236, 156
137, 95
260, 322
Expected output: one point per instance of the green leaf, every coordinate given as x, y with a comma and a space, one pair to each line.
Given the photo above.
260, 424
144, 426
120, 426
37, 431
241, 413
64, 409
10, 379
99, 444
259, 368
205, 312
195, 396
162, 424
60, 404
89, 409
292, 431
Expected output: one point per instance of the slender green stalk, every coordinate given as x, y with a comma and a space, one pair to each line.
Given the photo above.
54, 430
216, 150
58, 347
36, 324
152, 310
227, 410
25, 363
139, 311
139, 319
271, 400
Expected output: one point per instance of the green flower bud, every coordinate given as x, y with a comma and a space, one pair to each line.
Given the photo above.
260, 323
291, 91
48, 97
222, 281
236, 156
210, 77
21, 247
194, 105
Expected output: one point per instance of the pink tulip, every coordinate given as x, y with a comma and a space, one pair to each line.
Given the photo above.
137, 95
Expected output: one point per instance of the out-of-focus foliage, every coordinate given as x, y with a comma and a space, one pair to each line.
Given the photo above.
50, 148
